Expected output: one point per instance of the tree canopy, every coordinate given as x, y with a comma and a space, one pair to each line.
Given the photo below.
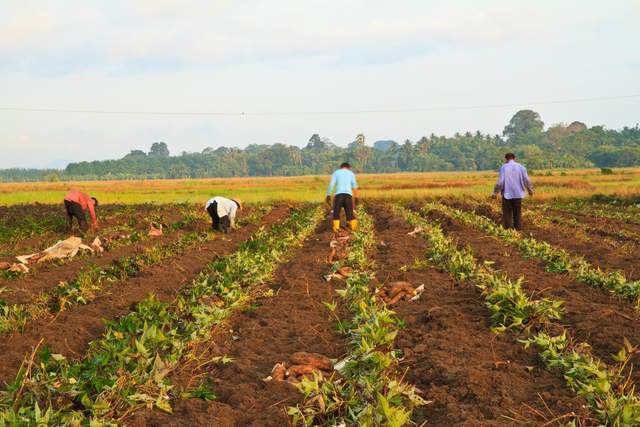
559, 146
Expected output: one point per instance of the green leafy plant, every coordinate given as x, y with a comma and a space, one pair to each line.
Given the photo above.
366, 391
607, 390
129, 366
556, 259
609, 394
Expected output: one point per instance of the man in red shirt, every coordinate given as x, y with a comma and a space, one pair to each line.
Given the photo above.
77, 203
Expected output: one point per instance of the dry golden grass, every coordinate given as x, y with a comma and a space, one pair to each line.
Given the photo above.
566, 183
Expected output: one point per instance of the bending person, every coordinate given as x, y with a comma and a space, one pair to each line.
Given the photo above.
77, 203
346, 196
223, 213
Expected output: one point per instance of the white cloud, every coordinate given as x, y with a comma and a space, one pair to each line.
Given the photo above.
307, 55
26, 31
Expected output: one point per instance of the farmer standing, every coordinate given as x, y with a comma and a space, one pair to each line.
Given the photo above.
77, 203
223, 213
346, 196
512, 183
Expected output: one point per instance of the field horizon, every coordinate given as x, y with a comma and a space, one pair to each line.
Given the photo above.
559, 183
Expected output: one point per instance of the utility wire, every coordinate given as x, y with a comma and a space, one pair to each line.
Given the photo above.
300, 113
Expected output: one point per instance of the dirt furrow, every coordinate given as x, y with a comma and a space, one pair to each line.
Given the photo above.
599, 226
47, 276
272, 329
70, 331
109, 217
599, 254
614, 222
473, 376
591, 314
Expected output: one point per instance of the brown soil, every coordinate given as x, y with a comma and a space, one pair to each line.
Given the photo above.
109, 216
592, 315
70, 331
269, 332
26, 288
597, 253
473, 376
601, 226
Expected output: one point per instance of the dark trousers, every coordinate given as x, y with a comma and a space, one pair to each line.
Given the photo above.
74, 210
343, 201
512, 213
217, 222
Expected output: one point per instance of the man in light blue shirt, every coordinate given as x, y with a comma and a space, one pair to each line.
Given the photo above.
346, 190
512, 183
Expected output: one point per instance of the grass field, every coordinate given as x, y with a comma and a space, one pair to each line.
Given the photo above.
549, 184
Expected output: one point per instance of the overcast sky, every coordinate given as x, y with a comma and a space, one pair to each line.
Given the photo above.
301, 56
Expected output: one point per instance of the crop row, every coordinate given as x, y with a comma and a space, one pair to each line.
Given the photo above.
366, 392
28, 221
542, 217
612, 211
90, 282
608, 392
129, 366
556, 259
187, 218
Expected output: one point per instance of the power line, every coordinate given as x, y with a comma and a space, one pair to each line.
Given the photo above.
299, 113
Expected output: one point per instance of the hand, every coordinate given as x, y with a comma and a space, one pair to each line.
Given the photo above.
494, 196
328, 200
530, 192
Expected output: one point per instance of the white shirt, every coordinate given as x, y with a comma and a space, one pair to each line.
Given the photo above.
226, 207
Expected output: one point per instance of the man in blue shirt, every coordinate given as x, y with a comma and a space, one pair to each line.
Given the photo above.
512, 183
346, 190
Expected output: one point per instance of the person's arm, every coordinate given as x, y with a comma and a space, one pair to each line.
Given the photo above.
232, 215
527, 181
500, 184
332, 184
92, 213
356, 191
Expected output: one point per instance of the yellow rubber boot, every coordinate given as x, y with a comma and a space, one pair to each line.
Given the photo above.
336, 225
353, 224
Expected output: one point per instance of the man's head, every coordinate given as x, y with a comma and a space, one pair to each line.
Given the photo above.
238, 203
95, 202
345, 165
509, 156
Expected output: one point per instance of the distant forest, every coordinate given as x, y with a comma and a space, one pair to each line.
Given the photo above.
559, 146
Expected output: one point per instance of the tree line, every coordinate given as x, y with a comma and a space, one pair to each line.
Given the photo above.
559, 146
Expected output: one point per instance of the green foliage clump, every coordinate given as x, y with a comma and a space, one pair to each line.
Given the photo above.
559, 146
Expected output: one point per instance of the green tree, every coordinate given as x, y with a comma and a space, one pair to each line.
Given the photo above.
523, 122
159, 149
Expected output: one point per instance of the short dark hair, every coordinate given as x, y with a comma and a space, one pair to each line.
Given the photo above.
345, 165
510, 156
95, 201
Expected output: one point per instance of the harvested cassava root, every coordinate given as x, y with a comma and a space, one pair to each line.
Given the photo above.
301, 365
339, 246
396, 291
341, 273
155, 230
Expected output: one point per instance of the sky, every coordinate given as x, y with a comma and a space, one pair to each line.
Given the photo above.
388, 69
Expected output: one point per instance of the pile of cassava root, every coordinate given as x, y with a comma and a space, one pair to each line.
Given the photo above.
393, 292
301, 365
339, 246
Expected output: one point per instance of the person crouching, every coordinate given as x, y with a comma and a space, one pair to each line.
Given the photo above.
223, 213
76, 203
